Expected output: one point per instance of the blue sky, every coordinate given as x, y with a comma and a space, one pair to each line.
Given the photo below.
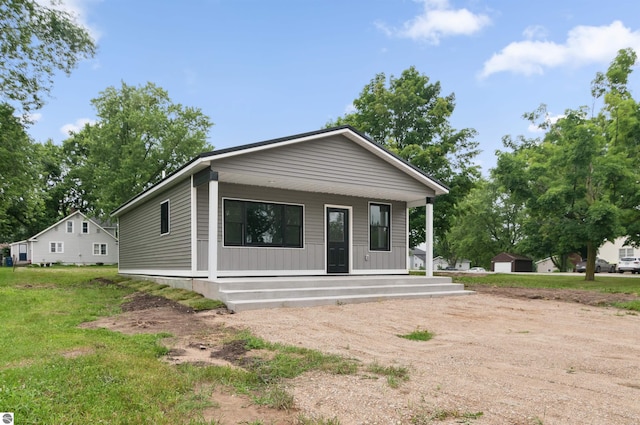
267, 69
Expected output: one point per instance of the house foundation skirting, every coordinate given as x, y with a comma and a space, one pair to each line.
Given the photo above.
251, 293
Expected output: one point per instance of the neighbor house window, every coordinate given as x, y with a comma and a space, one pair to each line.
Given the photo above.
85, 227
69, 226
248, 223
379, 227
164, 217
625, 252
56, 247
99, 249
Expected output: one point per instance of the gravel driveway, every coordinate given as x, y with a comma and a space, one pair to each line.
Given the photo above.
493, 360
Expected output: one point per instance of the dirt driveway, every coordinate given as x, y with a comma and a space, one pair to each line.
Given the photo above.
495, 358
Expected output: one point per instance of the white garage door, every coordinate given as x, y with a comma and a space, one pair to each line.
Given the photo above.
502, 267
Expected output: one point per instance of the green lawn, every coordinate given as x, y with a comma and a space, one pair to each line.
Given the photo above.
56, 373
604, 282
53, 372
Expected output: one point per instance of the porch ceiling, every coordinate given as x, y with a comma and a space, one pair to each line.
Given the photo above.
334, 187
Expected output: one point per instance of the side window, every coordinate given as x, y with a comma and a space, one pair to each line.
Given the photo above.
164, 218
69, 226
379, 227
85, 227
56, 247
99, 249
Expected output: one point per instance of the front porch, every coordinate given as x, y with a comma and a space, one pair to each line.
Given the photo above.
275, 292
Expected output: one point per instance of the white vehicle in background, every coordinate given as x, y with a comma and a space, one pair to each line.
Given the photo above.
477, 270
629, 264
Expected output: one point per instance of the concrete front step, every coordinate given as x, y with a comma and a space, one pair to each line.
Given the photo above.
254, 304
325, 281
328, 291
257, 293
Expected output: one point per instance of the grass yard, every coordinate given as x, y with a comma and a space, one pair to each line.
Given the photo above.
53, 372
604, 283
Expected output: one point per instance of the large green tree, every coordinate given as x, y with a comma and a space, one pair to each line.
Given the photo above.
140, 134
488, 221
36, 41
579, 182
620, 118
20, 201
409, 116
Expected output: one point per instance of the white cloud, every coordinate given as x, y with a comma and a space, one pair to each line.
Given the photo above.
75, 127
584, 45
30, 118
549, 120
534, 32
438, 20
350, 109
78, 9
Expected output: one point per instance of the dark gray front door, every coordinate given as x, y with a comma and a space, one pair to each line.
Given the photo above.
337, 240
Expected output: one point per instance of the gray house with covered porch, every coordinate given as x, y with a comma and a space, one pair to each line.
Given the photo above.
286, 219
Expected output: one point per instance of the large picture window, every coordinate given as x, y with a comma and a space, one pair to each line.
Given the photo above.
379, 227
249, 223
164, 217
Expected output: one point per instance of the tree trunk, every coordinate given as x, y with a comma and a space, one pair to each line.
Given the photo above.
591, 262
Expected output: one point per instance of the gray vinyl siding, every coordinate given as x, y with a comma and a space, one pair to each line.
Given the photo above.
312, 255
203, 211
336, 160
141, 245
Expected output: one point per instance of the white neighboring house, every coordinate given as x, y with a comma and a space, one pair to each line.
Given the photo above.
440, 263
545, 266
76, 239
416, 260
614, 251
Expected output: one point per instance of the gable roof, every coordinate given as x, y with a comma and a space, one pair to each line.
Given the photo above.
503, 256
203, 160
84, 217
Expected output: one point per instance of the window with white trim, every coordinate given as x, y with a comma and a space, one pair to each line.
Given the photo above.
99, 249
69, 226
56, 247
85, 227
164, 218
625, 252
253, 223
379, 227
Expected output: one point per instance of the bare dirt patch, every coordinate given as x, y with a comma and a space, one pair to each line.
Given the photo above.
515, 356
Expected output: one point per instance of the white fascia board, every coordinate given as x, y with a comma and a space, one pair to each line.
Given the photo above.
185, 171
381, 153
368, 145
208, 159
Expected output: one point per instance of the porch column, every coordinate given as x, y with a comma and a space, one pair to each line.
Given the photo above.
428, 239
213, 225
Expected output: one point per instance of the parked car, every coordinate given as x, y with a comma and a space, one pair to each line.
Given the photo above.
601, 266
477, 270
629, 264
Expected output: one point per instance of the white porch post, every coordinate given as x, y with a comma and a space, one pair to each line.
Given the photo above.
428, 239
213, 226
